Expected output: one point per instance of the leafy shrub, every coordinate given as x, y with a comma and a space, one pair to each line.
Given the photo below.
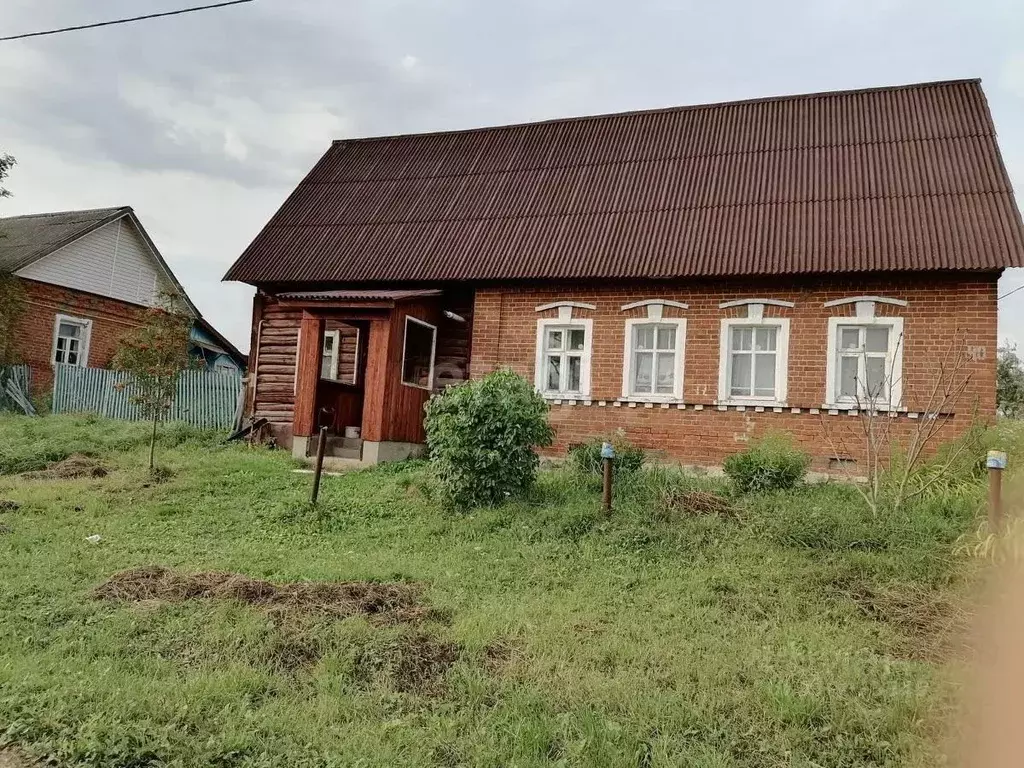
482, 436
771, 464
586, 458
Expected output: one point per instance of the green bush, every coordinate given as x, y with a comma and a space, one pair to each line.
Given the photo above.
482, 436
771, 464
586, 458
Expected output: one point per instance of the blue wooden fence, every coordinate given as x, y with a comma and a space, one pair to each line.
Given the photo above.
204, 398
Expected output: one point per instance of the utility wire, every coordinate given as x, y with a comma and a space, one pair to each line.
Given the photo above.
1010, 293
124, 21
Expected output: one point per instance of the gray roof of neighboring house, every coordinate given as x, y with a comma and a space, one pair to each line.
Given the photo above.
25, 239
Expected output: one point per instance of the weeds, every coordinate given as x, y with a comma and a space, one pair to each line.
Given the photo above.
692, 626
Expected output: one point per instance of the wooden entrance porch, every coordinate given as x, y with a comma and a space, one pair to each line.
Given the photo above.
365, 368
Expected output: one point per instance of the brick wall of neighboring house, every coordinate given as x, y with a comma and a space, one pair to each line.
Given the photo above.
939, 307
111, 319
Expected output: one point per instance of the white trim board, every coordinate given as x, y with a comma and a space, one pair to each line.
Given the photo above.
83, 350
586, 357
896, 344
628, 355
781, 362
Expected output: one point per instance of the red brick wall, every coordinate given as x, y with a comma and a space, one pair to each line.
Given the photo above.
111, 319
940, 308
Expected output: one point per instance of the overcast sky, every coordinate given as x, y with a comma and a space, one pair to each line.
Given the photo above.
205, 122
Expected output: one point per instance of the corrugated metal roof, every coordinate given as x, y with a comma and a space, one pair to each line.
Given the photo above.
902, 178
356, 295
25, 239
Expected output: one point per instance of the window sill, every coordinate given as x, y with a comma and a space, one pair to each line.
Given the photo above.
669, 399
752, 403
858, 407
563, 396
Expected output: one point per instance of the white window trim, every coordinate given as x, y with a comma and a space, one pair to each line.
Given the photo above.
627, 361
586, 357
896, 344
433, 353
781, 361
83, 350
336, 355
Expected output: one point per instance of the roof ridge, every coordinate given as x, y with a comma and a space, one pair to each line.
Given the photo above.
109, 210
665, 110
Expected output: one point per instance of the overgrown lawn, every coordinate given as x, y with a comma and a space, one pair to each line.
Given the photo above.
794, 630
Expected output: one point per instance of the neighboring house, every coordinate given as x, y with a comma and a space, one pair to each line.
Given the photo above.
88, 278
691, 277
214, 350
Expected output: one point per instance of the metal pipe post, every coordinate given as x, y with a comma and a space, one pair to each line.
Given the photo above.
321, 446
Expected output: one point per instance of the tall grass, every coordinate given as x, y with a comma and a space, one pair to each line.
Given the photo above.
798, 629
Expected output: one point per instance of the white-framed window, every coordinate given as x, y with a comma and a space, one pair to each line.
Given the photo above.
418, 351
753, 361
652, 362
563, 358
330, 355
71, 340
865, 361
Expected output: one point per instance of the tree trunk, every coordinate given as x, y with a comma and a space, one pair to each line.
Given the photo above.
152, 443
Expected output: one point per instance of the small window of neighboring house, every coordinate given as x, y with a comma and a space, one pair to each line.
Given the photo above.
865, 361
653, 361
71, 340
563, 358
418, 353
331, 352
224, 368
754, 361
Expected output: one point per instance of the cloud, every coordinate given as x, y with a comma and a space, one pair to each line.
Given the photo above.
205, 122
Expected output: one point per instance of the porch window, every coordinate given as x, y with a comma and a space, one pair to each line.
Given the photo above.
653, 360
329, 357
71, 340
754, 361
418, 353
563, 358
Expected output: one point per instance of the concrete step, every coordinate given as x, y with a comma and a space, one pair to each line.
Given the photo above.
336, 442
344, 453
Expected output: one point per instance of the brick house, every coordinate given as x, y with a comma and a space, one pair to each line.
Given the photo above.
691, 277
88, 277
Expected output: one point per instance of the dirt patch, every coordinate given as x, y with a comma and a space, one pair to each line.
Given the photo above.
417, 663
934, 626
687, 503
383, 603
68, 469
12, 758
9, 506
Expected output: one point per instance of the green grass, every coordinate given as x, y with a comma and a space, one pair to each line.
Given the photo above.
644, 639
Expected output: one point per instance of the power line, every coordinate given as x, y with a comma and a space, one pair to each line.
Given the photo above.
1010, 293
124, 21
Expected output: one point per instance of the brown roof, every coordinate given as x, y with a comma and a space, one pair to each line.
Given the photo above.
901, 178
